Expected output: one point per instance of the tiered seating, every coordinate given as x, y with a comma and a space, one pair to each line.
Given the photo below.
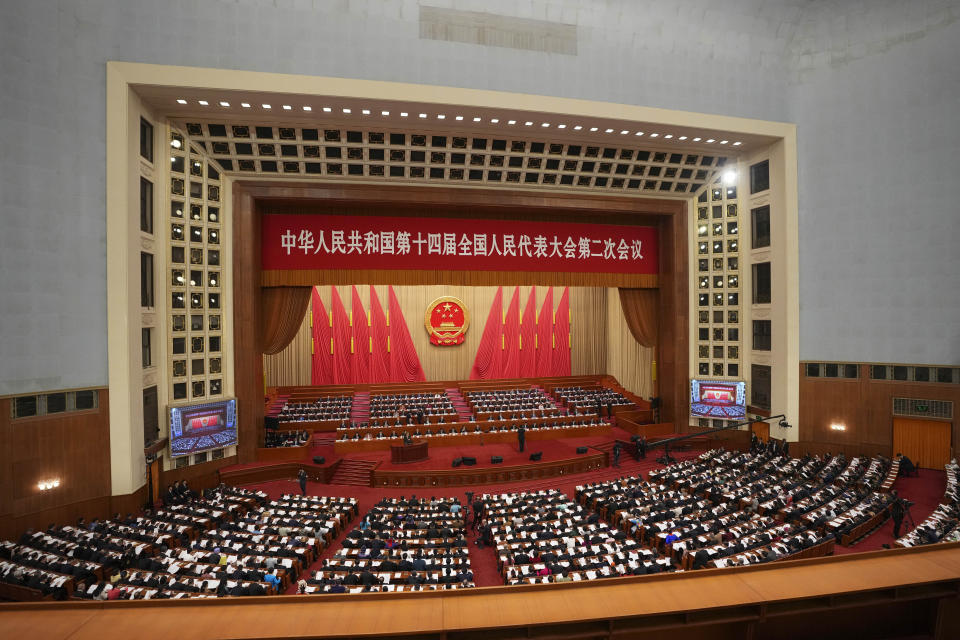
546, 537
502, 404
275, 439
322, 409
599, 400
401, 545
943, 525
411, 408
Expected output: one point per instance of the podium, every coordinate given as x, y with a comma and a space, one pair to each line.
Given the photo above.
414, 452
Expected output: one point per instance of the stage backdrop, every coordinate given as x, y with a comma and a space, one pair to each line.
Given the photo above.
600, 337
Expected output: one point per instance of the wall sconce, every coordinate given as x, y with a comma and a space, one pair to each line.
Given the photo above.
836, 426
46, 485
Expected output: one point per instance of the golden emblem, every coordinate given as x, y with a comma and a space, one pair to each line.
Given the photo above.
446, 320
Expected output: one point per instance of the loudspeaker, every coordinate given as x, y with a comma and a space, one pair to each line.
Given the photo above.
469, 462
456, 462
319, 459
536, 456
496, 459
581, 449
271, 422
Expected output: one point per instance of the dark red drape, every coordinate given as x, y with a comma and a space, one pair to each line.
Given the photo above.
379, 357
511, 337
486, 364
528, 337
361, 339
404, 361
561, 332
342, 357
640, 311
321, 371
545, 336
282, 310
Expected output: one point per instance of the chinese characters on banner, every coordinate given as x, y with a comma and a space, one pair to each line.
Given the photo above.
454, 244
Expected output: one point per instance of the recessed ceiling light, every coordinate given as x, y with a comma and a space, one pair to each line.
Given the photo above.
711, 140
181, 101
624, 132
476, 119
204, 102
345, 110
545, 124
327, 109
594, 128
528, 123
245, 105
441, 116
724, 141
668, 136
561, 126
729, 176
365, 112
404, 114
511, 122
224, 103
638, 133
384, 113
423, 115
287, 107
577, 127
682, 138
459, 118
494, 120
608, 130
737, 144
307, 108
697, 139
265, 106
176, 144
654, 135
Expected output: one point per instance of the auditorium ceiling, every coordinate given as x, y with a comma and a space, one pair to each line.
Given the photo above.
298, 136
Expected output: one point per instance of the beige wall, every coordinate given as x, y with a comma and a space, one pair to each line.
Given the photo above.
590, 329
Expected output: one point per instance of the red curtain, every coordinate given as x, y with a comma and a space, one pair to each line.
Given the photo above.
561, 331
404, 361
281, 310
321, 371
361, 339
342, 356
486, 364
545, 337
528, 333
640, 311
511, 337
379, 356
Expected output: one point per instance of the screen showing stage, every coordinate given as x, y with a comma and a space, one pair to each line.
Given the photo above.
202, 427
718, 399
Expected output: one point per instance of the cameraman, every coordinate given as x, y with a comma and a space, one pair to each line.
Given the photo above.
897, 511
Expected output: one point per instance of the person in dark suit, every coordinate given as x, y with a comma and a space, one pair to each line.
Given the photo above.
302, 477
521, 437
616, 454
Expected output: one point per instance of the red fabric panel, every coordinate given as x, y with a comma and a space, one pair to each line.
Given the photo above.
342, 369
379, 359
511, 337
545, 336
321, 371
361, 340
561, 355
528, 332
404, 361
486, 364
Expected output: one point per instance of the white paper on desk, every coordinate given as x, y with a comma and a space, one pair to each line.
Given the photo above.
591, 575
287, 562
173, 568
232, 559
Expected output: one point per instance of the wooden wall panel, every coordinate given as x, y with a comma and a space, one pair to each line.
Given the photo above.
73, 447
627, 360
198, 476
588, 307
865, 407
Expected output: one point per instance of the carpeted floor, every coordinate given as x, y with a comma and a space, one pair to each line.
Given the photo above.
925, 491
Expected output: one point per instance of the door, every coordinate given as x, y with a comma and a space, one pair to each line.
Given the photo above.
761, 430
925, 442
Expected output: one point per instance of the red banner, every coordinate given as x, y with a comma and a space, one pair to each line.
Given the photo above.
454, 244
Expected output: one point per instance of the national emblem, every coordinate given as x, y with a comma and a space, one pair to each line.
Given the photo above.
446, 320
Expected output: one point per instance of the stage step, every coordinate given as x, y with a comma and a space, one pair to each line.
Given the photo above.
354, 472
460, 405
360, 411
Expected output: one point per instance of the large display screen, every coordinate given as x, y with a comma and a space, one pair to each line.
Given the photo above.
718, 399
202, 427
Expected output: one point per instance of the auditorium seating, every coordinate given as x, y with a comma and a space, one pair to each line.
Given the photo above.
324, 408
597, 399
415, 408
401, 545
276, 439
544, 536
943, 525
